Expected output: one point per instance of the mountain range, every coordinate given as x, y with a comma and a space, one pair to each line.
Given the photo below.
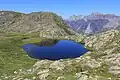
93, 23
101, 62
46, 23
49, 23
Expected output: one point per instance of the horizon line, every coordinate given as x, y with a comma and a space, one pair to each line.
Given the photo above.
76, 14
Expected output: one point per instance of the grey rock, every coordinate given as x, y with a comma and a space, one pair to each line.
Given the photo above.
94, 23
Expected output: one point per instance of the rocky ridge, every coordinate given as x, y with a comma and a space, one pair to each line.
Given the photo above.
44, 23
93, 23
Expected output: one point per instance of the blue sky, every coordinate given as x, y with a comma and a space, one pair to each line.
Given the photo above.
64, 8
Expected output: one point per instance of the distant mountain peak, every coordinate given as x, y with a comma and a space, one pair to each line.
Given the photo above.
76, 17
98, 23
96, 13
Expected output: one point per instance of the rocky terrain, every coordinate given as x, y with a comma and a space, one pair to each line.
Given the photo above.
46, 23
102, 62
93, 23
47, 42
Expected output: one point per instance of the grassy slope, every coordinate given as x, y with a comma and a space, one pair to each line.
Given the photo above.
12, 57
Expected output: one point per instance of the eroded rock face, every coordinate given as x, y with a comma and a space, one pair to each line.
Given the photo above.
113, 61
101, 40
9, 17
107, 45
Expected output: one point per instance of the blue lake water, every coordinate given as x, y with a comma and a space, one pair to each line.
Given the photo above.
63, 49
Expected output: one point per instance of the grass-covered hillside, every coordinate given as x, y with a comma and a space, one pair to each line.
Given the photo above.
12, 56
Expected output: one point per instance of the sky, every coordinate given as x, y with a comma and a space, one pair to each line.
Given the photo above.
64, 8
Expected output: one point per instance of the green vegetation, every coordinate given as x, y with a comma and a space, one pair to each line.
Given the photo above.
100, 71
12, 57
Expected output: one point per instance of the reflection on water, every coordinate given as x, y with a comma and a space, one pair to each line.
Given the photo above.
63, 49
